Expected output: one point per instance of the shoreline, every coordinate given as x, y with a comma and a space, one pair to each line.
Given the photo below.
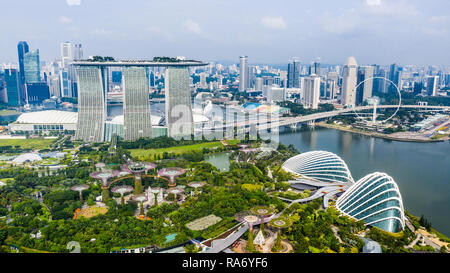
378, 135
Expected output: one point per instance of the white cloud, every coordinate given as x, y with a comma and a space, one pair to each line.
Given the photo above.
391, 8
435, 31
273, 22
373, 2
439, 19
65, 20
101, 31
154, 29
73, 2
191, 26
340, 24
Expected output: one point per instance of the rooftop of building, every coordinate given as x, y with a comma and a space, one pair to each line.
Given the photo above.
145, 63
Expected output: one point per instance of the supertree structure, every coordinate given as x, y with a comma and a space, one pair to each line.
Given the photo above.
279, 223
141, 198
250, 220
122, 190
138, 168
262, 212
175, 191
171, 173
80, 189
104, 176
196, 185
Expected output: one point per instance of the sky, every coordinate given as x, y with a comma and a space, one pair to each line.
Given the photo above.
272, 32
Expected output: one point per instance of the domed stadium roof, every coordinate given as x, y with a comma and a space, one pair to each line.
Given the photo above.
376, 200
27, 157
48, 117
319, 165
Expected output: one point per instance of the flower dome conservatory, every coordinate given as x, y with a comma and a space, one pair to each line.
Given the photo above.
376, 200
319, 165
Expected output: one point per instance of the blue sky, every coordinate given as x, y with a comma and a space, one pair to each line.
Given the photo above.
374, 31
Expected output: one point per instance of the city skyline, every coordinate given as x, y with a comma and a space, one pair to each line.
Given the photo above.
219, 31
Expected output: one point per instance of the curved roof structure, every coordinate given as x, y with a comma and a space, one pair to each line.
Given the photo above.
27, 157
319, 165
376, 200
48, 117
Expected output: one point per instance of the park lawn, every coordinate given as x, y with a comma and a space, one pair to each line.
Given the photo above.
145, 153
8, 112
37, 144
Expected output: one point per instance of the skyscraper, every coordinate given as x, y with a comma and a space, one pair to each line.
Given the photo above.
349, 77
364, 89
13, 92
31, 66
78, 52
293, 74
395, 75
243, 74
311, 86
432, 82
91, 104
136, 105
179, 119
37, 92
65, 83
66, 54
22, 49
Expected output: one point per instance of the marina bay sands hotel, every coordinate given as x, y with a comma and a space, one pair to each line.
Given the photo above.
92, 78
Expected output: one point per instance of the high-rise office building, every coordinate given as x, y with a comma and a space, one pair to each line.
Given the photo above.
31, 66
203, 83
13, 90
314, 68
432, 82
258, 83
65, 83
274, 93
78, 52
417, 88
3, 97
365, 84
136, 105
311, 87
293, 76
349, 78
179, 118
243, 73
22, 49
37, 92
66, 54
395, 75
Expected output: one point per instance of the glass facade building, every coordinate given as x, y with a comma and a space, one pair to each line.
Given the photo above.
13, 90
31, 67
37, 92
376, 200
22, 49
319, 165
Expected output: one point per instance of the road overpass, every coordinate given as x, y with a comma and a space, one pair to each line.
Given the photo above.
323, 115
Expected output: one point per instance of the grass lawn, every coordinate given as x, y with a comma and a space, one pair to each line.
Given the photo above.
142, 153
91, 212
8, 112
27, 143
